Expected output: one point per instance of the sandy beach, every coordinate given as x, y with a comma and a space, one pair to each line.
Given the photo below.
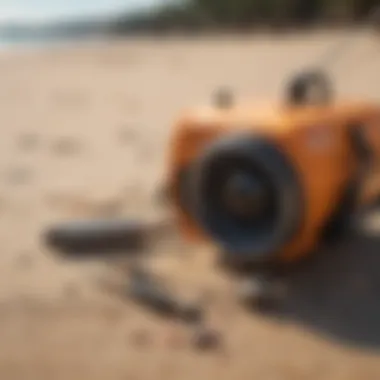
83, 133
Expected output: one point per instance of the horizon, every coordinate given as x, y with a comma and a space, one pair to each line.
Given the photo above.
39, 12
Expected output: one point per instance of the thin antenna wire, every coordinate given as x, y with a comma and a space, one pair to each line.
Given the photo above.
332, 55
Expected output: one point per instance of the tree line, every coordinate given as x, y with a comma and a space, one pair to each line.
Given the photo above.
248, 14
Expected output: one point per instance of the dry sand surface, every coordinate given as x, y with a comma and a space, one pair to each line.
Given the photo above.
83, 132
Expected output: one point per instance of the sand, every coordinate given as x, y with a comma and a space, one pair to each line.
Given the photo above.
83, 133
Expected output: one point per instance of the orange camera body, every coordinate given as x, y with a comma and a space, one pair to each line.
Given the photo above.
314, 142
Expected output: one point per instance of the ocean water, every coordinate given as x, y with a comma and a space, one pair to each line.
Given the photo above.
29, 41
23, 23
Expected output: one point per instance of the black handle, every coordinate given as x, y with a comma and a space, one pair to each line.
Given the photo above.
81, 237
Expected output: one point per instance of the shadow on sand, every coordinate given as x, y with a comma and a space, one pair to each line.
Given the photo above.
337, 293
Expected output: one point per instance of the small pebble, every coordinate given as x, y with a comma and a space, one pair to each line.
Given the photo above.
66, 146
262, 292
19, 176
140, 338
28, 142
207, 339
251, 290
224, 98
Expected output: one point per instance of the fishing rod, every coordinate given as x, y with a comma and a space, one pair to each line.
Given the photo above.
313, 85
332, 55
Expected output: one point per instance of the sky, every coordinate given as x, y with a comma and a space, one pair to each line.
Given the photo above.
36, 11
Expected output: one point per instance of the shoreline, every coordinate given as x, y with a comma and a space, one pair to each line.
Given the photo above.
258, 33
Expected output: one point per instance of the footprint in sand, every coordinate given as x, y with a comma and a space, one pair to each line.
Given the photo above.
140, 338
66, 146
24, 261
19, 175
128, 135
29, 141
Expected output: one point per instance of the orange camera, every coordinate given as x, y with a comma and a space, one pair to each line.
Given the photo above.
265, 182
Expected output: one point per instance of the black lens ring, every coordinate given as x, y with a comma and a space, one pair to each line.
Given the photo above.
266, 155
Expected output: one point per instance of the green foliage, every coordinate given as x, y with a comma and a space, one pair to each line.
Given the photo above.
236, 14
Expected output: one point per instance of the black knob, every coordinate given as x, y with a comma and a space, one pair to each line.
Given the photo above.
224, 98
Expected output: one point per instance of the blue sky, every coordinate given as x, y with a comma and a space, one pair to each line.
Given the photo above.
45, 10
